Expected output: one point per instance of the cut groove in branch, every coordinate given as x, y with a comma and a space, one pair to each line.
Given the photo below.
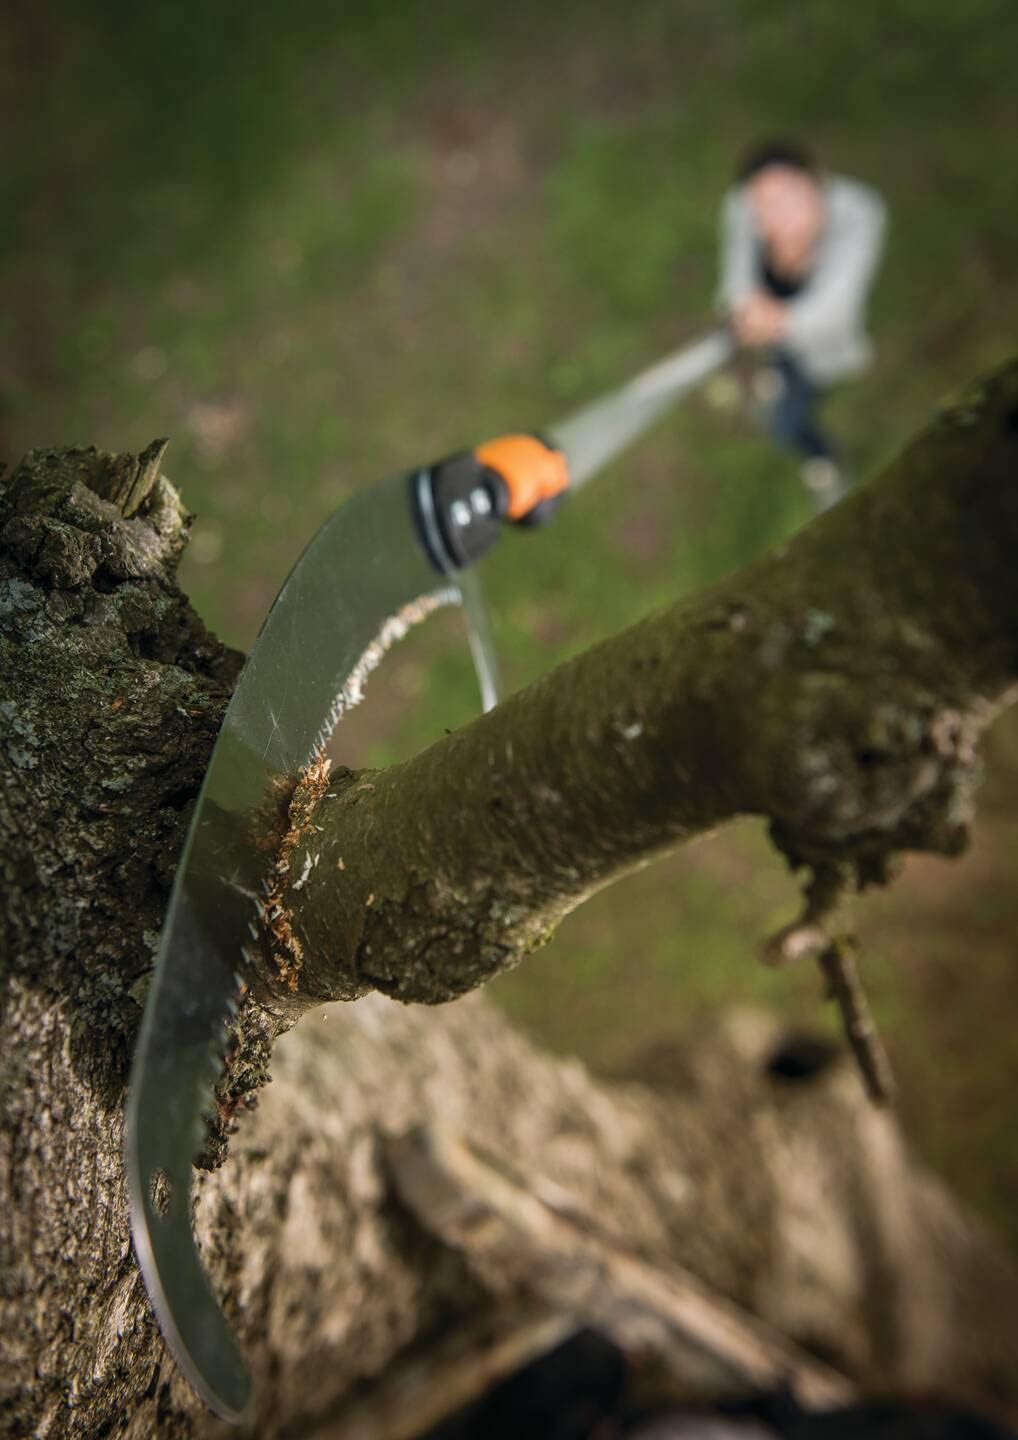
837, 687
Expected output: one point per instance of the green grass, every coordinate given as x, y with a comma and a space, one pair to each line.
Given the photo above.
314, 244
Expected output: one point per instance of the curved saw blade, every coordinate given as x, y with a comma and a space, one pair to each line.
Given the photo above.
362, 583
307, 667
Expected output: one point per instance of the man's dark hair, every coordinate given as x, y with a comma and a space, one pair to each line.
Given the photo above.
775, 152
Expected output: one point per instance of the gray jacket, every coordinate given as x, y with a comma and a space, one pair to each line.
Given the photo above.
826, 329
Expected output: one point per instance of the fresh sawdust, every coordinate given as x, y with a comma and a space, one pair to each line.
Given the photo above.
288, 953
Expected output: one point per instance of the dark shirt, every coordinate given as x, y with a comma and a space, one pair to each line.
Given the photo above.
782, 287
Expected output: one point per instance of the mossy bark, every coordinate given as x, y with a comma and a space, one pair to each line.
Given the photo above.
111, 692
838, 687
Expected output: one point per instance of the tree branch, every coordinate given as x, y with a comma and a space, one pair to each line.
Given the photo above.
838, 686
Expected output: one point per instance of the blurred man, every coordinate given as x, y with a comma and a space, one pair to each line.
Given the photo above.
799, 252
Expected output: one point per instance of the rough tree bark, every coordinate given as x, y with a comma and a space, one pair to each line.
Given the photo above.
838, 686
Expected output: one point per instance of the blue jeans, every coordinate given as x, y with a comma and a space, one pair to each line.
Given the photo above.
790, 418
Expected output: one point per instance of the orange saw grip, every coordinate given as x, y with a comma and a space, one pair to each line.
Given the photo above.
532, 470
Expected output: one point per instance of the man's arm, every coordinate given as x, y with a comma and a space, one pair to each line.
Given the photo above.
757, 318
834, 300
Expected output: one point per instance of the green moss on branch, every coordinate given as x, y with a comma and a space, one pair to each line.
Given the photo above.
838, 687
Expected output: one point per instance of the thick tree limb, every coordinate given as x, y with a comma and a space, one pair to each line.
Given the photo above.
838, 687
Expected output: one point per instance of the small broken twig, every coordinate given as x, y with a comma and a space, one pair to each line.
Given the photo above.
845, 988
822, 933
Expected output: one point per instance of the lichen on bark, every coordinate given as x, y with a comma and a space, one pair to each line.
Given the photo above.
113, 691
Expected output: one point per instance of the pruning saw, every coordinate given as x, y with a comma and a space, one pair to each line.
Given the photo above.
391, 555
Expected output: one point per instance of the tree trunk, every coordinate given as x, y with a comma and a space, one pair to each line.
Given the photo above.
797, 1209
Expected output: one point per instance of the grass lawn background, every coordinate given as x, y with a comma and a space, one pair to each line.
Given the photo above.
315, 244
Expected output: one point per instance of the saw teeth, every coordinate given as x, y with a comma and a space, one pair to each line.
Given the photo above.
212, 1063
206, 1109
